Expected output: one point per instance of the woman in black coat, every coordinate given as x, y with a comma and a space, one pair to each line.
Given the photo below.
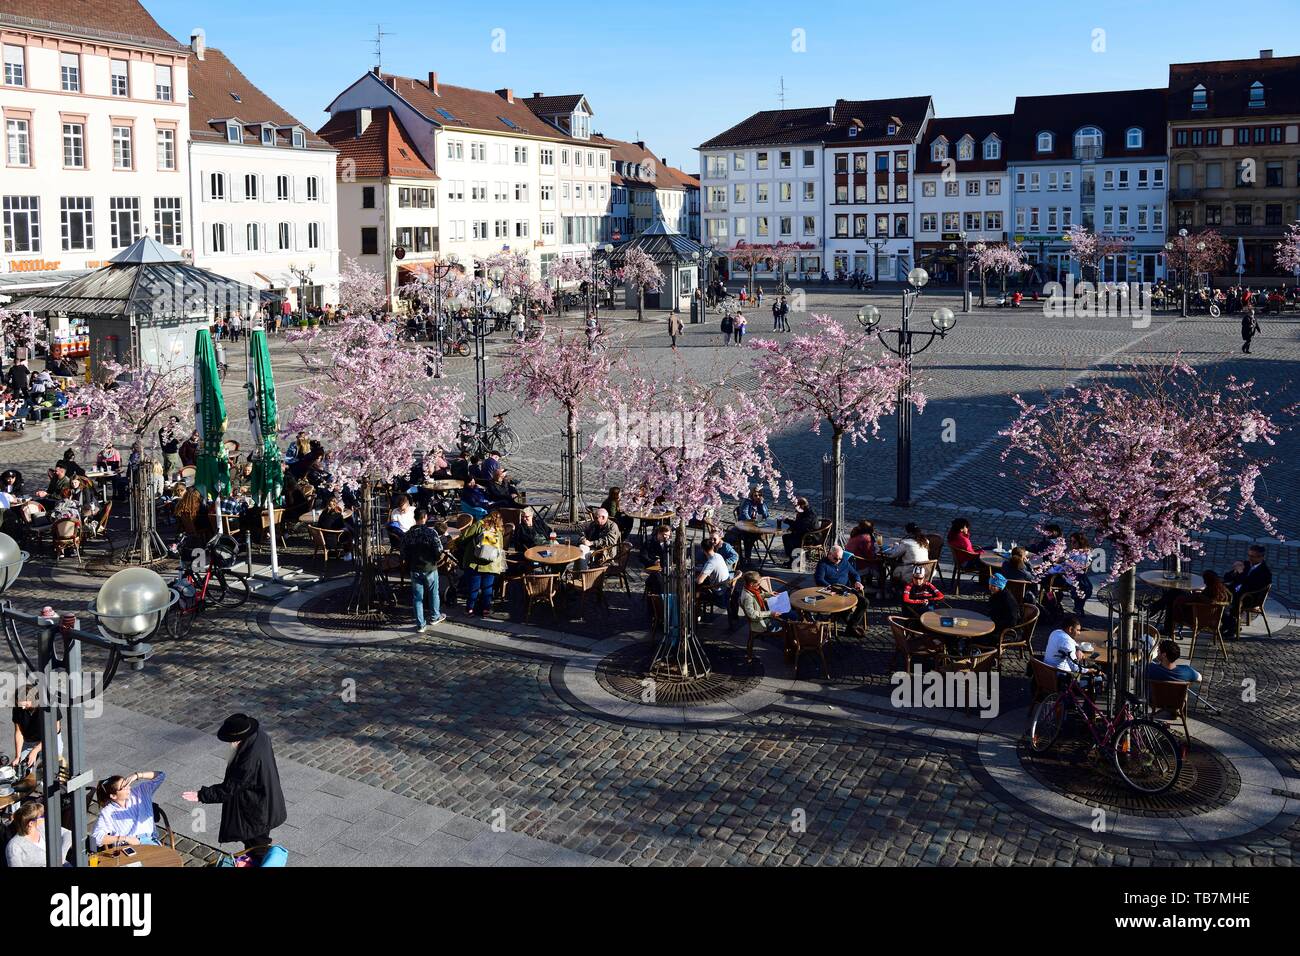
252, 803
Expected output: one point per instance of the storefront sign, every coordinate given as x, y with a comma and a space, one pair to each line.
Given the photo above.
33, 265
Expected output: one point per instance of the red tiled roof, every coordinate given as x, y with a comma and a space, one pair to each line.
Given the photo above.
473, 109
979, 128
772, 127
383, 150
620, 151
1111, 111
214, 84
104, 19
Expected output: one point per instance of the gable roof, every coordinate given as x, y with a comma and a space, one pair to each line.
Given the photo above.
459, 107
1227, 85
123, 20
550, 105
214, 83
1113, 112
954, 129
872, 119
776, 128
382, 149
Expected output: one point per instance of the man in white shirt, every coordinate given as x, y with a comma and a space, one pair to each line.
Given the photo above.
1062, 651
713, 567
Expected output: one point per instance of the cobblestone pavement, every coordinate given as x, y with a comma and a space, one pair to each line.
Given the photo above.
482, 732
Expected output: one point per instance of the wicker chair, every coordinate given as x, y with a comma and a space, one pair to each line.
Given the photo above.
588, 586
1020, 591
965, 562
1171, 695
1252, 603
803, 636
540, 589
65, 535
814, 543
1206, 618
1045, 680
323, 540
618, 566
934, 544
910, 644
99, 534
1019, 637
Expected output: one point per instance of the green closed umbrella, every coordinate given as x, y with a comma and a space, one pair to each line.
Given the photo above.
212, 468
267, 481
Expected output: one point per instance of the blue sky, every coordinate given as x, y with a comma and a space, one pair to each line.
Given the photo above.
675, 73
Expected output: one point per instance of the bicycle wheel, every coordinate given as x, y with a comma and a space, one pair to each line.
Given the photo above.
1214, 310
179, 620
231, 589
1049, 717
506, 440
461, 349
1146, 755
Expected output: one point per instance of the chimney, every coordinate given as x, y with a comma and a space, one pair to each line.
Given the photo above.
830, 115
507, 94
390, 82
640, 144
433, 83
1266, 54
364, 117
198, 43
663, 160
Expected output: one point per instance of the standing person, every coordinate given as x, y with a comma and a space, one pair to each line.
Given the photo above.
1249, 328
422, 549
758, 295
728, 326
252, 803
776, 314
741, 322
483, 557
674, 328
785, 315
169, 441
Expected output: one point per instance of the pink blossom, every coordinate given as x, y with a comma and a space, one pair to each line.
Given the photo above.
129, 402
1288, 250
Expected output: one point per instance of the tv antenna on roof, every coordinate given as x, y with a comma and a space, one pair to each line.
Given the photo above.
379, 46
781, 93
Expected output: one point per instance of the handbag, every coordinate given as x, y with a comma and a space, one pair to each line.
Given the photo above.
487, 553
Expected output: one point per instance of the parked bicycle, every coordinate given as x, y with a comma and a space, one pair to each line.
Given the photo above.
497, 439
1142, 750
206, 581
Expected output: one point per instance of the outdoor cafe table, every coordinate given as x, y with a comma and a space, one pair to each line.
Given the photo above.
965, 624
102, 479
1188, 582
992, 559
1100, 653
822, 601
765, 531
555, 555
649, 517
146, 855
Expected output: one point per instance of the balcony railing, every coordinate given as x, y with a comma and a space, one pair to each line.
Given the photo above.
1087, 153
715, 173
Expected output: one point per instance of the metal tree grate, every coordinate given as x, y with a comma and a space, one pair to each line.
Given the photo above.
1073, 767
626, 675
330, 612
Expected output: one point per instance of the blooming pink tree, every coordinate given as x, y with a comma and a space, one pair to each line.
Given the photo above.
1089, 249
361, 292
831, 376
511, 275
372, 406
129, 404
567, 270
1196, 253
999, 259
642, 273
22, 330
675, 446
559, 370
1288, 250
433, 282
1145, 463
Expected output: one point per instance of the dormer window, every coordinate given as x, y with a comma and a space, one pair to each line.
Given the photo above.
299, 139
1256, 96
1087, 143
1133, 138
1045, 141
268, 135
966, 149
993, 148
892, 129
1199, 97
939, 150
234, 134
853, 132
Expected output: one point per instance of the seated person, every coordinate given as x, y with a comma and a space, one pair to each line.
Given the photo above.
126, 809
332, 519
753, 508
11, 482
1249, 577
909, 550
722, 547
484, 469
473, 496
531, 532
457, 468
1214, 592
70, 464
838, 569
712, 572
753, 604
804, 522
613, 503
1166, 666
502, 490
26, 848
402, 518
1062, 651
59, 482
656, 552
919, 595
1003, 606
862, 541
602, 534
1016, 568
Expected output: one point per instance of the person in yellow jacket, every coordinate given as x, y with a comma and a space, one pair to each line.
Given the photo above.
483, 556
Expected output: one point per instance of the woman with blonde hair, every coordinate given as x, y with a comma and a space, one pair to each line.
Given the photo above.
483, 556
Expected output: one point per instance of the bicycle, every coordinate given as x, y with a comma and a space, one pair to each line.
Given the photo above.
207, 581
497, 439
1143, 752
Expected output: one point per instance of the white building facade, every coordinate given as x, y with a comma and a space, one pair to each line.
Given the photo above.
96, 123
263, 188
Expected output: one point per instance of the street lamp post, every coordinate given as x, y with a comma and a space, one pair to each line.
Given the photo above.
598, 255
943, 321
978, 249
484, 308
303, 275
439, 271
128, 609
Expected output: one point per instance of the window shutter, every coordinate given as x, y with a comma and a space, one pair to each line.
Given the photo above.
205, 240
238, 239
205, 181
235, 187
300, 189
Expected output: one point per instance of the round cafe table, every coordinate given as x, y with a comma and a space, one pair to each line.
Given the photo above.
556, 555
817, 601
1100, 653
1157, 579
146, 855
965, 624
765, 531
648, 518
992, 559
444, 484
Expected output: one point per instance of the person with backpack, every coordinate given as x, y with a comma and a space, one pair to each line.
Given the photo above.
422, 550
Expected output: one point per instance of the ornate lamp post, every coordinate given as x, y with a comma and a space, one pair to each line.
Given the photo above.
439, 270
598, 255
129, 608
978, 249
943, 321
303, 275
485, 308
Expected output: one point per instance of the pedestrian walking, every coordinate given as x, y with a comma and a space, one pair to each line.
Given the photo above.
422, 548
252, 803
674, 328
1249, 328
759, 295
776, 315
785, 315
728, 327
740, 324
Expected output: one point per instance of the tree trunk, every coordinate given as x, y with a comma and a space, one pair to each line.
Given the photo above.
837, 491
1128, 637
680, 655
146, 544
571, 465
983, 287
369, 587
640, 303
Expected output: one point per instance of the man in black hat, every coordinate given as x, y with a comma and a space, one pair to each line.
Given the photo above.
252, 803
